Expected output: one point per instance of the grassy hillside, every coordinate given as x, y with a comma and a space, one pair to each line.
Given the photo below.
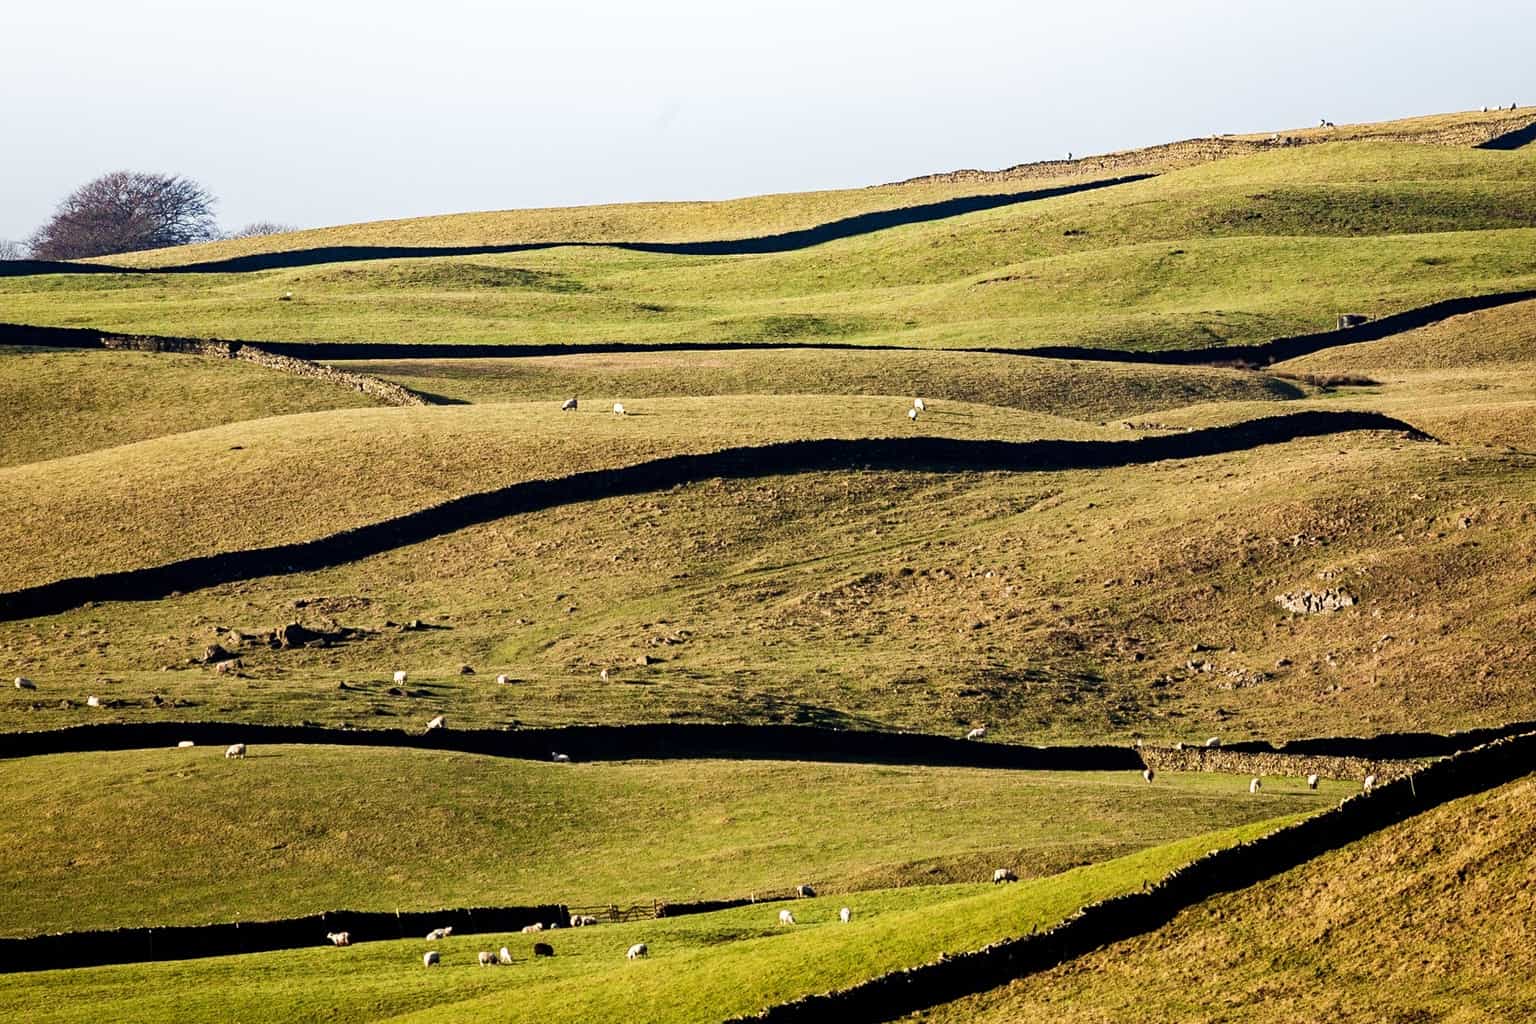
1234, 252
296, 829
700, 969
64, 403
1426, 921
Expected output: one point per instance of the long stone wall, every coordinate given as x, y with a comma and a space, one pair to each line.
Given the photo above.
1238, 762
1485, 131
951, 977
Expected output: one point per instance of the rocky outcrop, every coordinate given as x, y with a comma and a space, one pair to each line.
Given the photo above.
1312, 602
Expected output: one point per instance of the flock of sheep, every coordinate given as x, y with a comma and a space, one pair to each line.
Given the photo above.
573, 404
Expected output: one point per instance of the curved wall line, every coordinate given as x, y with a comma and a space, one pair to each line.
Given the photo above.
786, 241
932, 454
323, 351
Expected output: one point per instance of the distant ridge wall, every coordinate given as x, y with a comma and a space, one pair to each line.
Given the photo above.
1494, 130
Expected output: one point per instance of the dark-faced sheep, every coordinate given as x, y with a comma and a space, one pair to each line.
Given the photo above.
1149, 773
1254, 786
1312, 781
569, 405
804, 892
23, 683
339, 938
1004, 875
430, 958
487, 958
637, 951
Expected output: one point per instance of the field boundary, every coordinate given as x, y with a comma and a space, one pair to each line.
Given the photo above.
319, 352
953, 976
783, 241
909, 454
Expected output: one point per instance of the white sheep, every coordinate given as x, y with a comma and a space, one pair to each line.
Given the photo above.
235, 750
339, 938
603, 675
440, 722
1213, 742
844, 914
1312, 781
569, 405
618, 408
1004, 875
23, 683
530, 929
582, 920
184, 744
487, 958
918, 404
503, 680
560, 758
1370, 782
439, 933
1149, 773
637, 951
912, 415
400, 677
93, 701
978, 733
506, 955
785, 917
430, 958
1254, 786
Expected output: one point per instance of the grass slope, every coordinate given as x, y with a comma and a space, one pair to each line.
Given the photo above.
702, 968
64, 403
1426, 921
1234, 252
297, 829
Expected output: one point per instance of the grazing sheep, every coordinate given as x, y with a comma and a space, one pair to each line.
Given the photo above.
235, 750
400, 677
919, 405
93, 701
618, 408
285, 297
23, 683
1255, 786
844, 914
1213, 743
440, 722
185, 744
487, 958
503, 680
804, 892
785, 917
603, 675
530, 929
582, 920
1312, 781
439, 933
637, 951
559, 758
506, 955
1370, 782
430, 958
569, 405
978, 733
1149, 774
1004, 875
912, 415
339, 938
543, 949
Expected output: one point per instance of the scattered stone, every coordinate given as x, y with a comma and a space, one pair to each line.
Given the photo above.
215, 653
395, 691
1309, 602
646, 659
465, 670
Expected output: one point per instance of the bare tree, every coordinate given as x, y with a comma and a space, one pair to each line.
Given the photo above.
10, 250
126, 211
261, 227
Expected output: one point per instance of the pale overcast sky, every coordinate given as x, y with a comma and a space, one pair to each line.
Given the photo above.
320, 112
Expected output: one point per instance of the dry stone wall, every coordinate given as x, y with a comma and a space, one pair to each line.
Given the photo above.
1272, 765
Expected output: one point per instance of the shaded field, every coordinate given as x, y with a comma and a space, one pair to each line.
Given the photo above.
299, 829
1422, 921
701, 968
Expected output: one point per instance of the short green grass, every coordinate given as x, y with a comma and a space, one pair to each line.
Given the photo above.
186, 836
702, 968
1424, 921
66, 402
